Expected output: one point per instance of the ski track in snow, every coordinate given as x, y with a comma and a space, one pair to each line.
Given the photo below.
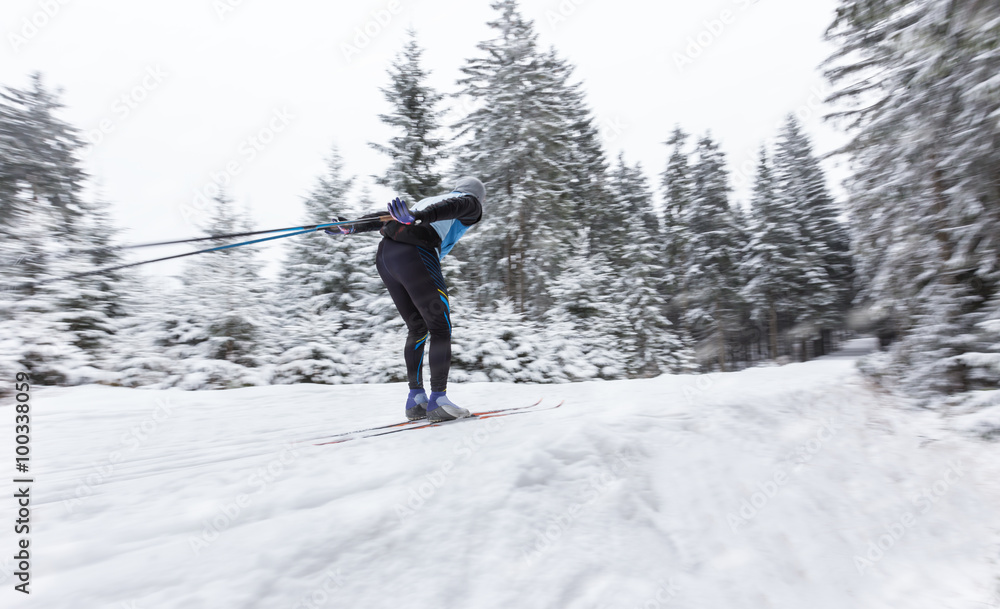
630, 495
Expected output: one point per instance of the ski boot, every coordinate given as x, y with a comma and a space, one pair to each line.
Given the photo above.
440, 408
416, 405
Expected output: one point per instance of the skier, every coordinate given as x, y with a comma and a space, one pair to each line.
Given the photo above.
409, 263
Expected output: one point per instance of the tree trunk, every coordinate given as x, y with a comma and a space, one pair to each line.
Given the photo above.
774, 332
943, 232
508, 282
522, 239
722, 340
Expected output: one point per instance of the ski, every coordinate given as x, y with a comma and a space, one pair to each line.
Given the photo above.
476, 415
411, 424
488, 415
423, 424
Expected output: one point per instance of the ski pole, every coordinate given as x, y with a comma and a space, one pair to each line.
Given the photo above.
312, 227
298, 231
384, 218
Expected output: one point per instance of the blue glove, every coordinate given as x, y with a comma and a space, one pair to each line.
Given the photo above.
400, 212
346, 229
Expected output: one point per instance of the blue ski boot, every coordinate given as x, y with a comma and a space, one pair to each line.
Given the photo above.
440, 408
416, 405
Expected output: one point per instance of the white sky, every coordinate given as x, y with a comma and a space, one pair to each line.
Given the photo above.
206, 75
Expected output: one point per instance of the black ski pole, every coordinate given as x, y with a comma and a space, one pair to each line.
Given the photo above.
117, 267
312, 227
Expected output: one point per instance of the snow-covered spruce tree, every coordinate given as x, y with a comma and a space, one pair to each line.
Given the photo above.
801, 184
583, 299
33, 332
495, 344
640, 276
99, 305
59, 332
580, 154
677, 192
710, 281
417, 151
40, 152
212, 328
316, 289
373, 334
916, 83
514, 139
770, 267
316, 266
983, 365
750, 332
141, 339
629, 218
796, 265
312, 346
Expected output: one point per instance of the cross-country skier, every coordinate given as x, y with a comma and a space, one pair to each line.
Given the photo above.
409, 263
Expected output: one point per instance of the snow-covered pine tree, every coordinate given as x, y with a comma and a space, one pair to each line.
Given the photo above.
916, 83
495, 344
316, 288
710, 282
316, 265
639, 279
629, 217
514, 140
95, 305
584, 299
417, 152
40, 151
677, 192
580, 154
741, 345
213, 326
47, 229
312, 347
796, 266
141, 340
770, 264
801, 183
373, 334
33, 332
983, 364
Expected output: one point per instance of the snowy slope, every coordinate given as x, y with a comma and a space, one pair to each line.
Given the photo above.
628, 496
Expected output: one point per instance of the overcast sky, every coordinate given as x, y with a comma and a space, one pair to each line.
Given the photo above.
255, 92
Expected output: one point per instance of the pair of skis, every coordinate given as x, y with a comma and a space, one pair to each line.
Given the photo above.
384, 430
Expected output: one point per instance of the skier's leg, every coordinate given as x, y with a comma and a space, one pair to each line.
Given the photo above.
431, 298
418, 271
416, 338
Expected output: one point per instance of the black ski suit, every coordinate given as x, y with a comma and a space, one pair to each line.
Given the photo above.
409, 263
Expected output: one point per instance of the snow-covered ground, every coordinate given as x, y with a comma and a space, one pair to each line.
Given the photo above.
785, 487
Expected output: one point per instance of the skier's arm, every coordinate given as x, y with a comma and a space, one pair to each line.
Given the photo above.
374, 225
360, 227
464, 208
